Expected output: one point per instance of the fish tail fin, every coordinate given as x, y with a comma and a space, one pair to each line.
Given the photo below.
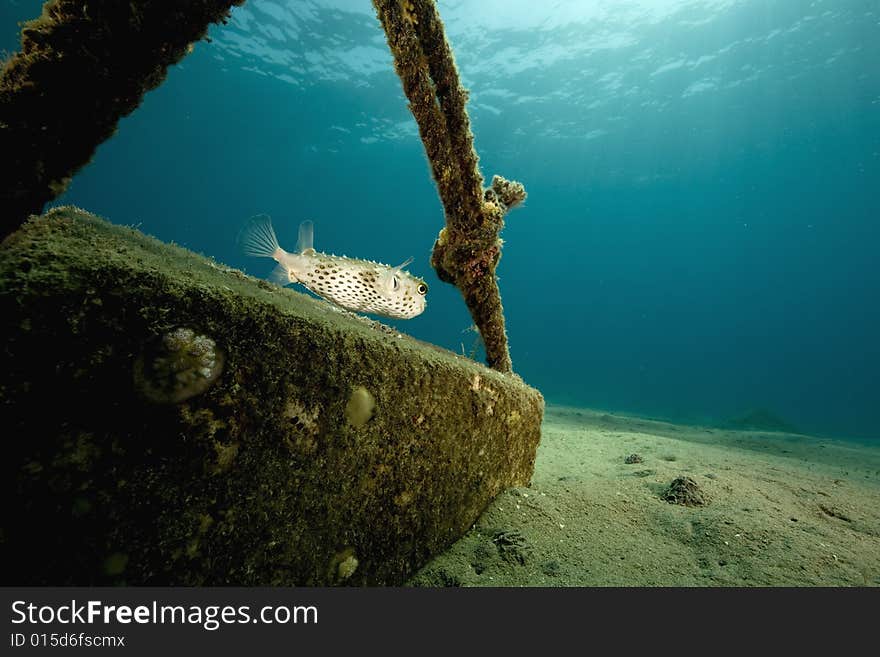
257, 238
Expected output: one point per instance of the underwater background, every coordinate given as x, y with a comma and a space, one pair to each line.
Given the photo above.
701, 233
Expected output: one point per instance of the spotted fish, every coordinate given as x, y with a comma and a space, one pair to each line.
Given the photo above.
359, 285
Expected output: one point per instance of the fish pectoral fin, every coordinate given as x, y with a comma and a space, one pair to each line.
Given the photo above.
405, 263
386, 280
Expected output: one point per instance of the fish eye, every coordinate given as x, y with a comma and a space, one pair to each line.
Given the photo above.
422, 288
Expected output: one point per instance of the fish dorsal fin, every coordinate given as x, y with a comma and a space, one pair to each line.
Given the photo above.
306, 242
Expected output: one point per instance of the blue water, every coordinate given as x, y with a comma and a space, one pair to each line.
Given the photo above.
701, 234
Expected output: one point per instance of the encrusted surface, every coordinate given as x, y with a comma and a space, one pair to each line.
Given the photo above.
299, 445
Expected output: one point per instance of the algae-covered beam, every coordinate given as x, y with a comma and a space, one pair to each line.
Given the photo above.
194, 441
83, 65
467, 250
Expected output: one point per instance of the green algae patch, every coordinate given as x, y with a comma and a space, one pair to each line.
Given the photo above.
168, 420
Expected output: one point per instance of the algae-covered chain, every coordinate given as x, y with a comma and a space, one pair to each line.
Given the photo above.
468, 249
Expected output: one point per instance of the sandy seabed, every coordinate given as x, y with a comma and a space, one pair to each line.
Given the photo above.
783, 510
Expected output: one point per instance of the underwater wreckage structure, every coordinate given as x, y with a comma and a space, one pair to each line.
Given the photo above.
167, 421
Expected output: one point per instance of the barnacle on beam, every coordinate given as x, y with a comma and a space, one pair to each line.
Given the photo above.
468, 248
180, 365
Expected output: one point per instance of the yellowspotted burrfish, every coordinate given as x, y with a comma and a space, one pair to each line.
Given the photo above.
359, 285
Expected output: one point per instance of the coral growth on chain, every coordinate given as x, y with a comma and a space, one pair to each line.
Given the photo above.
468, 248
